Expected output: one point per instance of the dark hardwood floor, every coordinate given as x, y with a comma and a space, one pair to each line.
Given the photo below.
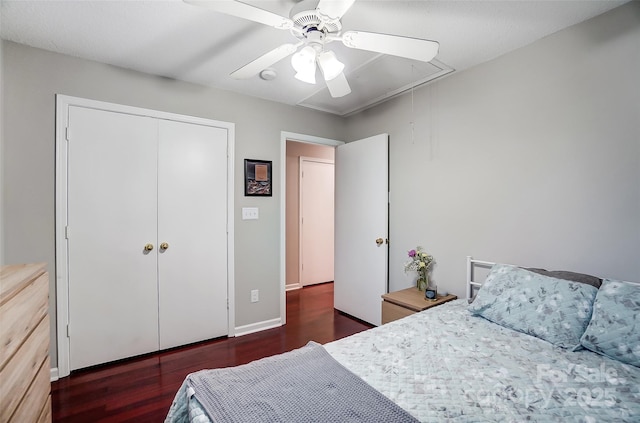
141, 389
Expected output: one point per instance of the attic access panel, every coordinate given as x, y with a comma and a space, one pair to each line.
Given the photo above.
376, 81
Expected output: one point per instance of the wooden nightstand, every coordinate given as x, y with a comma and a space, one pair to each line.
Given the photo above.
399, 304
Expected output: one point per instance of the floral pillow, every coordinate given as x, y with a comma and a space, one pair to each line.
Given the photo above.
614, 330
563, 274
548, 308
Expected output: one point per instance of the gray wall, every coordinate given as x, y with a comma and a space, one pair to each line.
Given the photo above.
532, 158
33, 77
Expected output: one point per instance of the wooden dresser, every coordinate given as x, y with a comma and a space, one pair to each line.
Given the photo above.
25, 387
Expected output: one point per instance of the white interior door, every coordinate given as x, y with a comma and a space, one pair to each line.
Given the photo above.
113, 306
192, 220
361, 217
316, 220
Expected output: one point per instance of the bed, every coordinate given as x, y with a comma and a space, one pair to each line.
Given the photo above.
529, 347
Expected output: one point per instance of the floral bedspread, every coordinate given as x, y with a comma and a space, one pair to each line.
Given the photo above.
446, 365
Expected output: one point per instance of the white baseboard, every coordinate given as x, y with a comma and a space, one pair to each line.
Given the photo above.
258, 326
240, 330
293, 286
54, 374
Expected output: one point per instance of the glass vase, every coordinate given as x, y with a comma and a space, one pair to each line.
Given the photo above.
422, 282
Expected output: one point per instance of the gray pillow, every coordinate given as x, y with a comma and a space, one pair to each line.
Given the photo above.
569, 276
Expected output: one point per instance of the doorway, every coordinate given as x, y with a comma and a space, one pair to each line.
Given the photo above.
305, 194
366, 219
309, 146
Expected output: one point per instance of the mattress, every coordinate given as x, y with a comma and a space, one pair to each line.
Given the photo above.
444, 364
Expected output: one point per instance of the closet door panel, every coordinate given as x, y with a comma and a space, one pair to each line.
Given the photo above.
112, 214
192, 216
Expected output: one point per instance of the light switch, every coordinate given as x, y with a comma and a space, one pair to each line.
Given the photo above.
250, 213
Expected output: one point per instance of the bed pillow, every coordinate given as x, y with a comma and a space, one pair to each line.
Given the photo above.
548, 308
562, 274
614, 330
569, 276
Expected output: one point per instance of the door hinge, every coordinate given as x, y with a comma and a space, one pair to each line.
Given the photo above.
68, 334
66, 133
66, 232
227, 304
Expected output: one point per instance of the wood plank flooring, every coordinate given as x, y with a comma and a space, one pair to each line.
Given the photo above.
141, 389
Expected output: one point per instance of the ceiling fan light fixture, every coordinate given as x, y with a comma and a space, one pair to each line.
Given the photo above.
315, 23
308, 77
304, 63
331, 67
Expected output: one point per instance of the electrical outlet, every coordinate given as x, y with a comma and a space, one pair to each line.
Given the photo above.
255, 295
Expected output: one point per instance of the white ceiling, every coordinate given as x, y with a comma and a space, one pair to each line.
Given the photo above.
176, 40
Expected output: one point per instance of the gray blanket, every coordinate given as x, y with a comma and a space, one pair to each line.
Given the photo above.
303, 385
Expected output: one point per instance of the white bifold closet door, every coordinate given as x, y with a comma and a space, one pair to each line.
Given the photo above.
135, 181
192, 216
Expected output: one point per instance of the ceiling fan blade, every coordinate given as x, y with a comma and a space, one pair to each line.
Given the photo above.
411, 48
264, 61
338, 86
245, 11
332, 10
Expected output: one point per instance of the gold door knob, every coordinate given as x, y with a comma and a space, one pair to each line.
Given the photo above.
164, 246
148, 247
379, 241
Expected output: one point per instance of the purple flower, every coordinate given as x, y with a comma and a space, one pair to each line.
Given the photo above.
412, 253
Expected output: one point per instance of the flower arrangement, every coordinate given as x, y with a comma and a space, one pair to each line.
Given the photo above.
419, 262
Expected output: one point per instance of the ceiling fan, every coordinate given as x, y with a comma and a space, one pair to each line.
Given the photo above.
316, 23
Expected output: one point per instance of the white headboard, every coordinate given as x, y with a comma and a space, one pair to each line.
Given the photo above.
471, 282
475, 284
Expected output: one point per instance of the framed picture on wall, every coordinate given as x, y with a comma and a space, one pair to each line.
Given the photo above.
257, 178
